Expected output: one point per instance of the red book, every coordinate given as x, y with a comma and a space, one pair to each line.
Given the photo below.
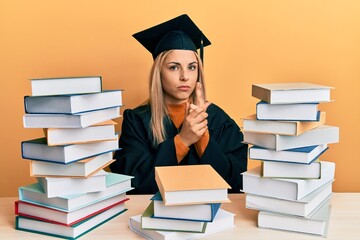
46, 214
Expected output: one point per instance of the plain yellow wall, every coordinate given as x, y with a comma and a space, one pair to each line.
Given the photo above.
254, 41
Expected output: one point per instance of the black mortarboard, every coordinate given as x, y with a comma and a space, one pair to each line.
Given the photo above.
177, 33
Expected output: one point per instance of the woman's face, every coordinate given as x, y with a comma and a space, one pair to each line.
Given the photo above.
179, 74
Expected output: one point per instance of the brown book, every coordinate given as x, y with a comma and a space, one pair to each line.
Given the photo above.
251, 124
191, 184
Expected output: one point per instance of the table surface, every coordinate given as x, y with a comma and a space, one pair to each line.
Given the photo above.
344, 221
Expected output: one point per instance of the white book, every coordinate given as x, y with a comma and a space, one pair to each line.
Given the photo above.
94, 133
115, 184
82, 168
69, 232
66, 85
321, 135
58, 186
290, 112
302, 207
284, 188
274, 169
296, 92
316, 224
303, 155
80, 120
251, 124
224, 220
37, 149
67, 218
75, 103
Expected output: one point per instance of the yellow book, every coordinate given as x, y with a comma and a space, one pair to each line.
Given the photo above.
191, 184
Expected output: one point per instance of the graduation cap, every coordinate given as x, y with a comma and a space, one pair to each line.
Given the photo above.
177, 33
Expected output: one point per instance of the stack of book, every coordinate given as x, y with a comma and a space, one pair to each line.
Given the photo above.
73, 194
292, 187
187, 205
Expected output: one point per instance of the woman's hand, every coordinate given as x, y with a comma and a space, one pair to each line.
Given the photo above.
195, 122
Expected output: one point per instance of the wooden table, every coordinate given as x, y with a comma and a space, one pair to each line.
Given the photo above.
344, 221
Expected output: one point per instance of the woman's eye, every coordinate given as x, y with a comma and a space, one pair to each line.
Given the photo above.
192, 67
173, 67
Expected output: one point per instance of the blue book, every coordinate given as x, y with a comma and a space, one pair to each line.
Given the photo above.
196, 212
287, 112
303, 155
116, 184
37, 149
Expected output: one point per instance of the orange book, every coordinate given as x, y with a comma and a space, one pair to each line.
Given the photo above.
191, 184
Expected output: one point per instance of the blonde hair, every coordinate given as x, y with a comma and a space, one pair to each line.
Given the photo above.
156, 99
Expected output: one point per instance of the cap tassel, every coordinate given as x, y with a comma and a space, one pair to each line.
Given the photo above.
202, 49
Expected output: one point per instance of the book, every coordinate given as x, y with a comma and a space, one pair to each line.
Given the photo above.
82, 168
291, 170
303, 207
303, 155
73, 103
57, 187
316, 224
162, 224
79, 120
287, 112
65, 85
283, 188
94, 133
46, 214
37, 149
321, 135
115, 184
297, 92
251, 124
223, 220
69, 232
191, 184
197, 212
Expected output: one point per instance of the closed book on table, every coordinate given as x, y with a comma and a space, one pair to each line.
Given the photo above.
37, 149
291, 170
321, 135
195, 212
283, 188
287, 112
251, 124
63, 136
296, 92
191, 184
115, 184
46, 214
74, 103
316, 224
82, 168
69, 232
79, 120
302, 207
303, 155
58, 186
224, 220
162, 224
65, 85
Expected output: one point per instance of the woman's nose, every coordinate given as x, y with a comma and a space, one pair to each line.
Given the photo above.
184, 76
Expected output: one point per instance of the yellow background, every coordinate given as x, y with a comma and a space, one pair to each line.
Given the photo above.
254, 41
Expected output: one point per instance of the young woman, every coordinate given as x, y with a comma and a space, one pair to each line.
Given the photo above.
177, 125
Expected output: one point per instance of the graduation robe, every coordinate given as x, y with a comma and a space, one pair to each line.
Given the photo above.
138, 157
